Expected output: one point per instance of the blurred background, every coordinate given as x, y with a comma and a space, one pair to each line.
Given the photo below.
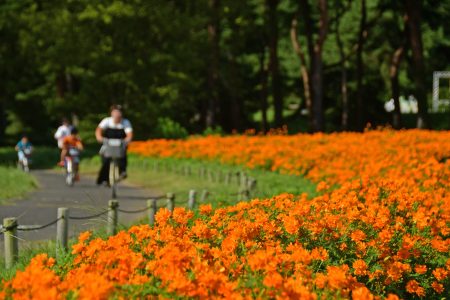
184, 67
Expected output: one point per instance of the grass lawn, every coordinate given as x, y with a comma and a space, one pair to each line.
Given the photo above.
14, 183
168, 177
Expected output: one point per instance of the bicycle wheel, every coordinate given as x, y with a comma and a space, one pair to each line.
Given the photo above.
69, 173
25, 165
113, 176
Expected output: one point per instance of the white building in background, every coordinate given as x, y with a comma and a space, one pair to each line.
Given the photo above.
437, 102
407, 106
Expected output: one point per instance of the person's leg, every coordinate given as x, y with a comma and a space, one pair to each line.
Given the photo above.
62, 157
77, 168
20, 155
103, 175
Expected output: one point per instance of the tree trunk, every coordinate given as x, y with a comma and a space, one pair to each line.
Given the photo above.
344, 88
264, 93
213, 76
317, 68
395, 88
413, 9
314, 78
235, 109
343, 68
274, 68
3, 121
360, 67
317, 87
304, 72
61, 85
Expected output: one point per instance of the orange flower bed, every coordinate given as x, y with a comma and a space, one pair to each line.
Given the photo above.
380, 228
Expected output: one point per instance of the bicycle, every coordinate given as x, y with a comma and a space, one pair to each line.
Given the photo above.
71, 162
24, 162
114, 150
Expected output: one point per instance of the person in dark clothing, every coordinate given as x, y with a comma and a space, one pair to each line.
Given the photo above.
113, 127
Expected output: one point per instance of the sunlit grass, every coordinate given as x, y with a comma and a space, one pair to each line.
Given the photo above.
15, 183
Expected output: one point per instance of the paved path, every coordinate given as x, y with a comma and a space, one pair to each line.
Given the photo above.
85, 198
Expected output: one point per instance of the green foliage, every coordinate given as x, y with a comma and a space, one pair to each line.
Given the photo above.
217, 130
168, 178
169, 129
78, 57
86, 129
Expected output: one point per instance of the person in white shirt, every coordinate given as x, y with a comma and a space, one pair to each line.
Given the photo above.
113, 127
60, 134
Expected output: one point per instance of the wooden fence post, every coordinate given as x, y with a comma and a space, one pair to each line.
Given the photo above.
203, 173
243, 189
11, 243
238, 178
204, 196
170, 201
62, 227
151, 204
228, 178
251, 183
218, 176
113, 205
191, 201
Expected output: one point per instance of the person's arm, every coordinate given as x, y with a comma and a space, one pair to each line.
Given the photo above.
58, 133
128, 131
99, 130
129, 137
16, 147
80, 145
99, 134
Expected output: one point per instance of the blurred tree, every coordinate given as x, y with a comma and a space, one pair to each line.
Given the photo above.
223, 63
413, 17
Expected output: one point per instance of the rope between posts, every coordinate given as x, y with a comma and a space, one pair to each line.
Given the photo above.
158, 197
133, 211
88, 217
38, 227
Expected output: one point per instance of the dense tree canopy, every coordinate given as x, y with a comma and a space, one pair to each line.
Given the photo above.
197, 64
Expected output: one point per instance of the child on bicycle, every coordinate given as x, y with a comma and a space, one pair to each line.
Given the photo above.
72, 141
23, 148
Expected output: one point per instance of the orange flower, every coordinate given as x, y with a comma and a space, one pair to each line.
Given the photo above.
360, 267
413, 287
438, 287
205, 209
384, 190
273, 279
362, 293
358, 235
440, 274
420, 269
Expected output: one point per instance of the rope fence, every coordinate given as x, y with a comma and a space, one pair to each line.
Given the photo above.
11, 227
36, 227
88, 217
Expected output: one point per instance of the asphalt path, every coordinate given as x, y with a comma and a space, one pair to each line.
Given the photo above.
85, 198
